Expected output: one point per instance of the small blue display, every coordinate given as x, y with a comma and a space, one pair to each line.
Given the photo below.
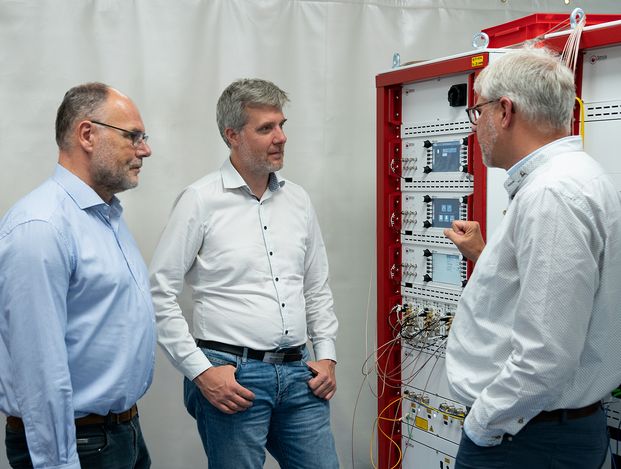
446, 268
445, 211
446, 156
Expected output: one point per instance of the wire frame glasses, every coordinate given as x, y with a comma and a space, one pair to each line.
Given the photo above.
137, 137
474, 112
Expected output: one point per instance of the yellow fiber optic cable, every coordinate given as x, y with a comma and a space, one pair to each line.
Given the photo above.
581, 104
376, 423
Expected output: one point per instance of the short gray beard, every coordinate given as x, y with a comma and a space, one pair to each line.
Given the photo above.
106, 173
486, 149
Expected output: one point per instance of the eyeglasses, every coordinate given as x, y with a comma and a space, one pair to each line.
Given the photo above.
136, 136
474, 112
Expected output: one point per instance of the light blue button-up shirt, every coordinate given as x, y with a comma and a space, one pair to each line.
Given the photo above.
77, 329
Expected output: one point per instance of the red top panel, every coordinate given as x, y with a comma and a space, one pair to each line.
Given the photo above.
424, 71
600, 37
532, 26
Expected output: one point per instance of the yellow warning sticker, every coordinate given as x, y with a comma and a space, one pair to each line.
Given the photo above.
476, 61
421, 423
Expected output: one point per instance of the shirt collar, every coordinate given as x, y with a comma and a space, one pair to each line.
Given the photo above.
514, 169
519, 171
233, 180
81, 193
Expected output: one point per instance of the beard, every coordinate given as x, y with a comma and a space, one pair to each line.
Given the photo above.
260, 164
488, 142
110, 173
275, 165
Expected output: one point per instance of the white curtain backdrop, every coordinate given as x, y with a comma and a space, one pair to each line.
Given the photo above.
174, 58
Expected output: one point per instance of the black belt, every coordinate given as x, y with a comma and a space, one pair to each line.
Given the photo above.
560, 415
276, 356
15, 423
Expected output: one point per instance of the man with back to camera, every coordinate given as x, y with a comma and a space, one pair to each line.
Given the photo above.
77, 328
248, 243
535, 342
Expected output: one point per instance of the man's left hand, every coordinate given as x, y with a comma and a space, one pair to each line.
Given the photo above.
323, 384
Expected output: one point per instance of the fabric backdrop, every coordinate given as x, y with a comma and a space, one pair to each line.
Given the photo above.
174, 58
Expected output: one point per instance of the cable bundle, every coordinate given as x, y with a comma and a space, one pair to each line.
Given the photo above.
572, 46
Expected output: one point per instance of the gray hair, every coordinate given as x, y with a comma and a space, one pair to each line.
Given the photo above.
244, 93
537, 82
79, 103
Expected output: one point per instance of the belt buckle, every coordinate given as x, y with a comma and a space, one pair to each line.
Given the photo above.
275, 358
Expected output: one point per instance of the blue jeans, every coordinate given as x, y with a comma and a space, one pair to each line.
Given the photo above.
117, 446
286, 418
570, 444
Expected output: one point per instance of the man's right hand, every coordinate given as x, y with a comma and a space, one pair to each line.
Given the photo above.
466, 235
221, 389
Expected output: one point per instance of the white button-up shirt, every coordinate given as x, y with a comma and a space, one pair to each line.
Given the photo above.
538, 326
257, 269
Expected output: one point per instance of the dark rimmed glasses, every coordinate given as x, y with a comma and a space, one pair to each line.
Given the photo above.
474, 112
137, 137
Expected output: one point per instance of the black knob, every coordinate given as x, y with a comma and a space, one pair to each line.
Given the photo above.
427, 169
426, 199
464, 199
464, 168
427, 278
464, 141
464, 283
427, 144
427, 224
426, 253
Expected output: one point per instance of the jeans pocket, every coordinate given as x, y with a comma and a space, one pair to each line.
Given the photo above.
218, 358
311, 370
91, 442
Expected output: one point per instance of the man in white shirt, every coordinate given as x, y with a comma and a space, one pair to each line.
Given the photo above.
536, 338
248, 244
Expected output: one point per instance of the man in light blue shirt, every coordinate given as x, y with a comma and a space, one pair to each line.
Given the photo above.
77, 330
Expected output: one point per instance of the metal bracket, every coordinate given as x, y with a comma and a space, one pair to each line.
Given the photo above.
576, 17
396, 60
480, 40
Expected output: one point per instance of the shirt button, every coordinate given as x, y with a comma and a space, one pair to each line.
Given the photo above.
271, 253
521, 420
265, 227
286, 332
282, 304
276, 279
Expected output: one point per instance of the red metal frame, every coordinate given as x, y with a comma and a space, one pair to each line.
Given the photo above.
389, 120
600, 36
537, 24
388, 184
